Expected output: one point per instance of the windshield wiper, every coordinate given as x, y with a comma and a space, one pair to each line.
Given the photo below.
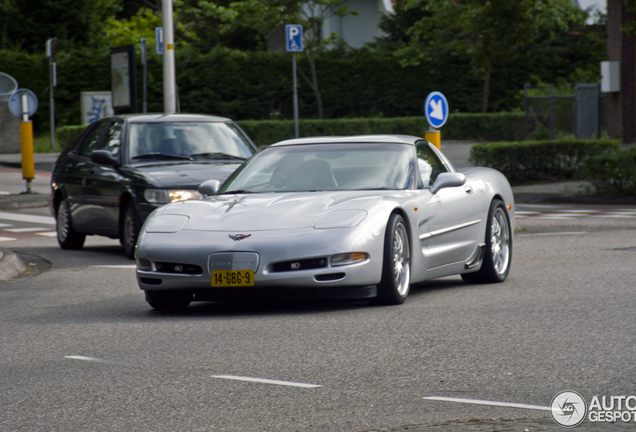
217, 155
238, 191
160, 155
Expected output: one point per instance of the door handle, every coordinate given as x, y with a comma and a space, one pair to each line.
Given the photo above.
468, 189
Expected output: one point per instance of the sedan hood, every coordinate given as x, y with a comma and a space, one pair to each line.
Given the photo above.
274, 211
185, 175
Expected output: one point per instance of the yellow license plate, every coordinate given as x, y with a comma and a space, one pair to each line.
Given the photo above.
232, 278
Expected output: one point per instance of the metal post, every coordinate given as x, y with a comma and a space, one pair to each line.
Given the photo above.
295, 98
52, 83
26, 144
525, 93
144, 62
169, 81
551, 111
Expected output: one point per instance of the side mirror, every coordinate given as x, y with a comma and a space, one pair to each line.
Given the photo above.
209, 187
445, 180
103, 157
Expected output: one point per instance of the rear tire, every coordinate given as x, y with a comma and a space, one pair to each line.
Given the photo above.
498, 254
396, 267
66, 235
168, 300
130, 225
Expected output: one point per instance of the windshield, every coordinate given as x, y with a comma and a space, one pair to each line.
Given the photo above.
324, 167
188, 140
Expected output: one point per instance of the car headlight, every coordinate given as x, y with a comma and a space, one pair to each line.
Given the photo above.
164, 196
347, 258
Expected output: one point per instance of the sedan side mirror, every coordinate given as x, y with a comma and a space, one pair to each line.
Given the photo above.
448, 179
209, 187
104, 157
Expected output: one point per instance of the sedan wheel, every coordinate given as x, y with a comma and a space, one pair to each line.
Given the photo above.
66, 235
130, 229
497, 257
396, 268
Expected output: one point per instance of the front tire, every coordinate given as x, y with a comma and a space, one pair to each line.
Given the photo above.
66, 235
396, 267
498, 254
130, 225
168, 300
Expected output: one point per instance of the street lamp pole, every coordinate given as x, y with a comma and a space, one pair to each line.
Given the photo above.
169, 80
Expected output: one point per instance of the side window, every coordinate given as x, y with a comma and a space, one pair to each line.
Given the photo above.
112, 140
92, 139
429, 163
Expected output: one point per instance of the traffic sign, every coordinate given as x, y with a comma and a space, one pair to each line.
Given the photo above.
8, 85
436, 109
159, 39
294, 37
15, 102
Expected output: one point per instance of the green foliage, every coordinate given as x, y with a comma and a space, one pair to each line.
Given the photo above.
491, 34
612, 174
539, 161
65, 134
458, 127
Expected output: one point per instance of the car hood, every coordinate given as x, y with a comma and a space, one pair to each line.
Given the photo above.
271, 211
185, 175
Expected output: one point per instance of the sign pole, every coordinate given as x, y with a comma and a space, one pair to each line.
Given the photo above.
144, 62
26, 142
295, 98
50, 52
294, 43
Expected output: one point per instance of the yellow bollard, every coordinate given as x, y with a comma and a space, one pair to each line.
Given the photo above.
434, 137
28, 161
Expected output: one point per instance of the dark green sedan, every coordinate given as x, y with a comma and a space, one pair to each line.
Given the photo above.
121, 168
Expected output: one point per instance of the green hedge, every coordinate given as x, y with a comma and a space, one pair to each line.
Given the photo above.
65, 134
612, 174
539, 161
495, 126
460, 126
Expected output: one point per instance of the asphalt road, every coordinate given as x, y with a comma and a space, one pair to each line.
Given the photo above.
82, 351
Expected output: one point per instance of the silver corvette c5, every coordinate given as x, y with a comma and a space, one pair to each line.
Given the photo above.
347, 217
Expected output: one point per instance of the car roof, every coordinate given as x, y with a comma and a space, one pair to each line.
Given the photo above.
397, 139
163, 118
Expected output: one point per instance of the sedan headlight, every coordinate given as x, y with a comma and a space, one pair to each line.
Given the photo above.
164, 196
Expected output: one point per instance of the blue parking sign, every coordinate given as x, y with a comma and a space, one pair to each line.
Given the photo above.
294, 37
436, 109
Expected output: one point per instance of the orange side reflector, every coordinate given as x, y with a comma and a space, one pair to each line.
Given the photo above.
509, 206
358, 256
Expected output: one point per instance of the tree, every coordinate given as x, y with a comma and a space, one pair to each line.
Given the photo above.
490, 32
26, 25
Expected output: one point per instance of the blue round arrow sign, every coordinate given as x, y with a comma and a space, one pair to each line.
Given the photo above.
436, 109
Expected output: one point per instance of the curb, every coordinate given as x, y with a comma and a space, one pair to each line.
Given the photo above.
23, 200
10, 265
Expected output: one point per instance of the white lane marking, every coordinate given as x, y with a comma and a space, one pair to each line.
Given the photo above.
5, 225
551, 234
19, 230
5, 193
485, 402
47, 234
85, 358
27, 218
124, 266
614, 215
266, 381
6, 238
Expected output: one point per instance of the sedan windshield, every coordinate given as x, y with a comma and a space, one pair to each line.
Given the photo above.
188, 140
316, 167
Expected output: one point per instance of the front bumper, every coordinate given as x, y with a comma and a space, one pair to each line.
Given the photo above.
195, 248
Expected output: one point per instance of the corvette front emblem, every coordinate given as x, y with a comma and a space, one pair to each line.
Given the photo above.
237, 237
